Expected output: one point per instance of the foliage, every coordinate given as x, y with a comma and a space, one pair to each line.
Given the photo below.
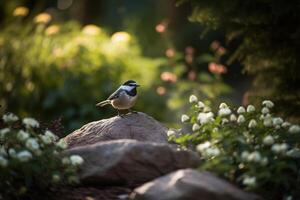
265, 37
50, 70
248, 146
31, 159
46, 68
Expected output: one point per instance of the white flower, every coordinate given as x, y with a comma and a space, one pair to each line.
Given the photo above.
224, 112
223, 105
193, 99
224, 121
275, 148
76, 160
265, 110
50, 135
211, 152
201, 104
268, 115
293, 153
284, 147
285, 124
252, 123
3, 132
65, 161
184, 118
294, 129
171, 133
202, 146
268, 140
24, 156
245, 155
12, 152
2, 151
10, 118
206, 109
268, 103
254, 157
268, 122
241, 119
289, 198
32, 144
261, 117
46, 139
249, 181
204, 118
55, 178
30, 122
3, 162
63, 144
277, 121
195, 127
22, 135
241, 110
250, 108
279, 148
232, 118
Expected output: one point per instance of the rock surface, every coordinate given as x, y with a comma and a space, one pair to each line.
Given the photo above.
130, 161
88, 193
138, 126
189, 184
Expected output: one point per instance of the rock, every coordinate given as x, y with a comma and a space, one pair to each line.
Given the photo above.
190, 184
87, 193
130, 162
138, 126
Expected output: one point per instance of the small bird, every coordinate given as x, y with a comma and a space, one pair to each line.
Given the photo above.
123, 98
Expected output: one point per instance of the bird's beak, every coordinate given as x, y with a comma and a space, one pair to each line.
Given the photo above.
137, 85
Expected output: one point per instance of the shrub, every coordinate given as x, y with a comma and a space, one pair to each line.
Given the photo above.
265, 40
31, 159
62, 69
248, 146
55, 69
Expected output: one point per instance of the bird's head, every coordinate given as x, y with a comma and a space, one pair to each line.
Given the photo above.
129, 85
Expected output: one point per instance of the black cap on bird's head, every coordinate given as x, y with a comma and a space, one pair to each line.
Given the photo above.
131, 83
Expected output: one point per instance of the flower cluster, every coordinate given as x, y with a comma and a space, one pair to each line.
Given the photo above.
30, 152
247, 145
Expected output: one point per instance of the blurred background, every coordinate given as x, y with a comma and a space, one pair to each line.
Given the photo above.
58, 58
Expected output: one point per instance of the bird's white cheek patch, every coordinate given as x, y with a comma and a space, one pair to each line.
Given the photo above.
127, 87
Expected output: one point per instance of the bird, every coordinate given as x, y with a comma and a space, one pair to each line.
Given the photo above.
124, 98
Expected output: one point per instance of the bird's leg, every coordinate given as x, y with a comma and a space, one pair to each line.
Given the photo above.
120, 114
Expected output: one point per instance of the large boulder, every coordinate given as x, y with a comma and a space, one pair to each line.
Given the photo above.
130, 162
138, 126
190, 184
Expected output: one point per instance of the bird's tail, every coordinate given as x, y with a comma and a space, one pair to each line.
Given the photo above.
103, 103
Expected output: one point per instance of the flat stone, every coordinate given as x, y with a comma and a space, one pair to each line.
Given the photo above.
130, 162
189, 184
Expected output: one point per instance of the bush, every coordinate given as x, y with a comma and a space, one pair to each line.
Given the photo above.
265, 40
61, 69
31, 159
50, 69
248, 146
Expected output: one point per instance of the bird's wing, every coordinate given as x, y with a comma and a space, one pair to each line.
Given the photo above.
115, 95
